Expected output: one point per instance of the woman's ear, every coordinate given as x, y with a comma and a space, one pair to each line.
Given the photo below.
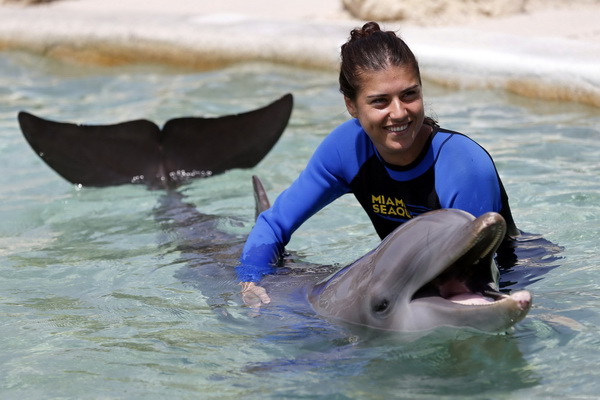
350, 106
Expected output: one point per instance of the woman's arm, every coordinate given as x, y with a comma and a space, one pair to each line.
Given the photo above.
325, 178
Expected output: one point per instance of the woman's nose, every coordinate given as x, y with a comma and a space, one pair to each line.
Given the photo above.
397, 109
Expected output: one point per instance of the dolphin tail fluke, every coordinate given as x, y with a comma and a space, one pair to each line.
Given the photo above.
261, 200
140, 152
215, 145
95, 155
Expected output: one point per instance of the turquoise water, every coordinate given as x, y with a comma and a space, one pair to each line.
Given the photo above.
104, 295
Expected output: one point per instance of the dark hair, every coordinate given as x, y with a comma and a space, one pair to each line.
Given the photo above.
371, 49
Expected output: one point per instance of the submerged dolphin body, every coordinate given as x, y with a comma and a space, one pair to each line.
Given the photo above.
436, 270
140, 152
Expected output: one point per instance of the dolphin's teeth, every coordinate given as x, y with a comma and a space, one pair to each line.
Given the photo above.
494, 294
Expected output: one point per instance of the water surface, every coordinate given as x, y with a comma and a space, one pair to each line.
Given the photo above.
103, 295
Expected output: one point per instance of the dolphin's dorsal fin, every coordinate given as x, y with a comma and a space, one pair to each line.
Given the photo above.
261, 200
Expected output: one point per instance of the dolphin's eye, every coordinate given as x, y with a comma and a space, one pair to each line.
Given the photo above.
380, 306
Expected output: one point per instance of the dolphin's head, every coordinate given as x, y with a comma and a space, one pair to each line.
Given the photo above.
435, 270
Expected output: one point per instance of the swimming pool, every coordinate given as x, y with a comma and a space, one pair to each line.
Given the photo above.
97, 300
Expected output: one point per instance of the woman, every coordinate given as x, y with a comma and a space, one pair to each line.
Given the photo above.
397, 162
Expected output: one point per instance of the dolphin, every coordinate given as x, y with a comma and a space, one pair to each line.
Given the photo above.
140, 152
437, 270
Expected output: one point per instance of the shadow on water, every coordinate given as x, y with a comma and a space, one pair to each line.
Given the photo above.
526, 260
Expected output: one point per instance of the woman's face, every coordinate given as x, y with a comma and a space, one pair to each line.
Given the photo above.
389, 107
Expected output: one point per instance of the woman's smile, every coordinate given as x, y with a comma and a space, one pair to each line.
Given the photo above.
397, 128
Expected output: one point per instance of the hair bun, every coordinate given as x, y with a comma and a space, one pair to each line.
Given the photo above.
367, 30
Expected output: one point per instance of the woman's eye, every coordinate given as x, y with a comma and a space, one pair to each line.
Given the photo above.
378, 101
411, 95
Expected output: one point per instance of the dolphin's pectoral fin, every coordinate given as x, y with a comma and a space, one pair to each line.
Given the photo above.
139, 152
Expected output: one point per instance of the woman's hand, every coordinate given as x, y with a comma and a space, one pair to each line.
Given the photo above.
253, 295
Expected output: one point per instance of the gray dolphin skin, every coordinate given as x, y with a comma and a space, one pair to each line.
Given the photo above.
436, 270
141, 152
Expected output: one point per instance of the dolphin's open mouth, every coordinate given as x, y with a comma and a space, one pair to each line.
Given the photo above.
470, 279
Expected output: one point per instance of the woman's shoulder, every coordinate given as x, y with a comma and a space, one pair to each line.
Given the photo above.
347, 129
449, 141
344, 150
453, 148
349, 135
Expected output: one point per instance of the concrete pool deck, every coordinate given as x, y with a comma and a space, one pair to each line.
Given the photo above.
552, 54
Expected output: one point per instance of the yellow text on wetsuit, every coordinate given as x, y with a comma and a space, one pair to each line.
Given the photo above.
389, 206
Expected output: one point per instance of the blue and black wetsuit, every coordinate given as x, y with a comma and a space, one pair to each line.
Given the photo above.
452, 171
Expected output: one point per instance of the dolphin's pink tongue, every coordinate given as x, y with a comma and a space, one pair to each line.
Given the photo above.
457, 292
470, 299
